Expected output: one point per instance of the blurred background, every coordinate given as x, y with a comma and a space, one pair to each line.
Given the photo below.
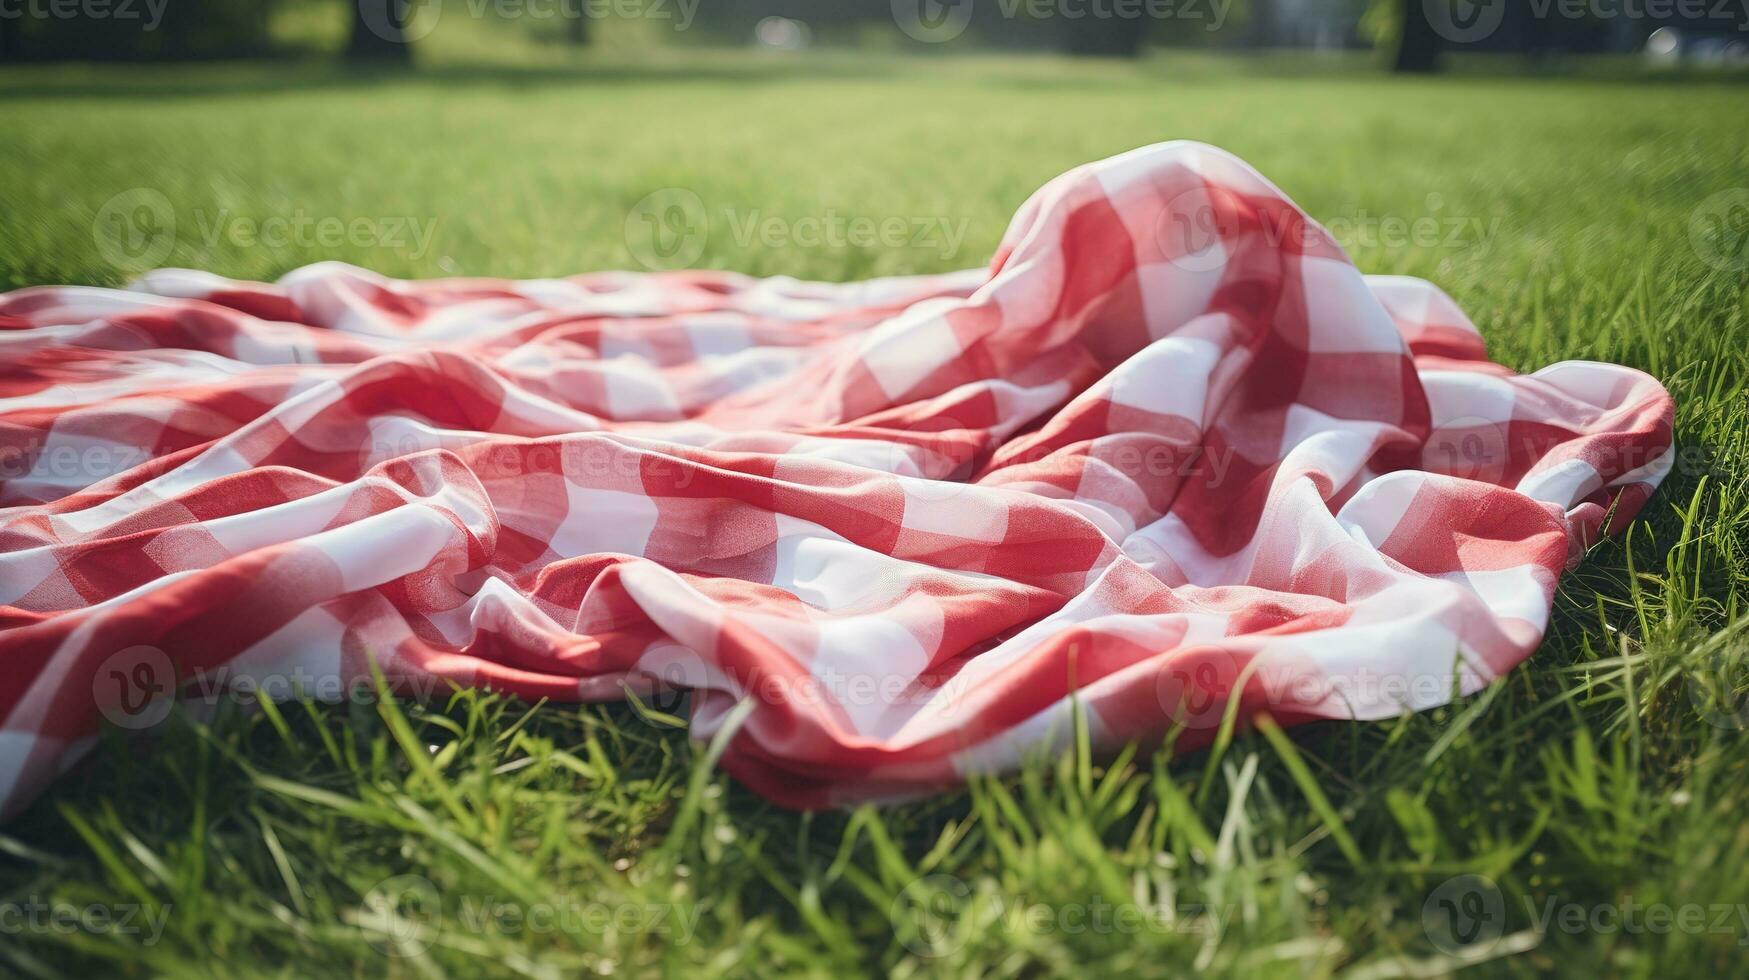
1463, 140
1407, 35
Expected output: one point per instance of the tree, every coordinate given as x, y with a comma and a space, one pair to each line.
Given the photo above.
1418, 46
379, 32
1105, 35
1261, 31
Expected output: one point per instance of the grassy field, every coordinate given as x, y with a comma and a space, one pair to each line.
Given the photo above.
1540, 826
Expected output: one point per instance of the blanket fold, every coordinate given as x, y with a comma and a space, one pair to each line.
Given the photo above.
1170, 449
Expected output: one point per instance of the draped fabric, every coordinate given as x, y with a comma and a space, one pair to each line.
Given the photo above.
1169, 453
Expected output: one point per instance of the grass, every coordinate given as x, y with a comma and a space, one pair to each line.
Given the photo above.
1557, 811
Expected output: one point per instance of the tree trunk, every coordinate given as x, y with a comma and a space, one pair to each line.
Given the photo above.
579, 27
379, 32
1089, 35
1418, 49
1261, 32
264, 25
1539, 42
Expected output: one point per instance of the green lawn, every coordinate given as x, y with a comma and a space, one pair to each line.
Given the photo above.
1603, 781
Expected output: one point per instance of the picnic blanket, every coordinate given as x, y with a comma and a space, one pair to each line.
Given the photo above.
1169, 455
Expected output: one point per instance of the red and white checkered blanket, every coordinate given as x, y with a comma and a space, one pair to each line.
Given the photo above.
1169, 446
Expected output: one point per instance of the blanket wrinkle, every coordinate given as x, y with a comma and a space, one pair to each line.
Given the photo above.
1169, 450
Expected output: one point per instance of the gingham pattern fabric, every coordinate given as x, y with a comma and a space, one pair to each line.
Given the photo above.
1170, 450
